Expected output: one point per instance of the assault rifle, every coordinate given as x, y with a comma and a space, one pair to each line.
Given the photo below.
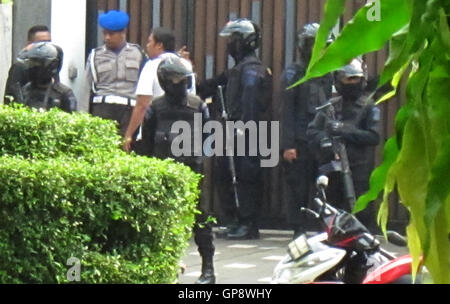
340, 162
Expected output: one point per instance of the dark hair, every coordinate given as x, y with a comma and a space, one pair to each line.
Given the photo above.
37, 28
166, 37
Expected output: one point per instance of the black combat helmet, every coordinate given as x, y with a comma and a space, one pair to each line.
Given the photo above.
310, 31
244, 37
306, 39
248, 30
43, 61
174, 76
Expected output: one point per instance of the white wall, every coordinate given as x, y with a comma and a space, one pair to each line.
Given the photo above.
68, 28
5, 45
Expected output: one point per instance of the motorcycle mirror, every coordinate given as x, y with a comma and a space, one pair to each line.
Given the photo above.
322, 182
396, 239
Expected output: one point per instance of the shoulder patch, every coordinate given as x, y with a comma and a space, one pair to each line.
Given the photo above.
376, 114
250, 77
293, 73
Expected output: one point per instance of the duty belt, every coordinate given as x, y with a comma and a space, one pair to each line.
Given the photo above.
114, 100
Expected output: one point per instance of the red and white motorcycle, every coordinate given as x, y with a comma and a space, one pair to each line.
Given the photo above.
346, 253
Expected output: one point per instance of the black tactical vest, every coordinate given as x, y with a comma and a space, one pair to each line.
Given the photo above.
55, 95
361, 114
248, 82
164, 115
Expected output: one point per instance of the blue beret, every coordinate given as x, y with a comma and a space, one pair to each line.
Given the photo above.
114, 20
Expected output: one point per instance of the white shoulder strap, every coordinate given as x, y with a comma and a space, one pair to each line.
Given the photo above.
93, 71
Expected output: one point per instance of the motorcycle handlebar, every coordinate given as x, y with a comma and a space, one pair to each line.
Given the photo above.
323, 207
310, 212
324, 210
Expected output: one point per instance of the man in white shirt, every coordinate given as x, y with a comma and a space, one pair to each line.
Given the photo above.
161, 45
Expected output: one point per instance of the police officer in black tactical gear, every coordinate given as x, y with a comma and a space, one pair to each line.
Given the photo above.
178, 105
248, 90
356, 124
17, 74
43, 61
298, 109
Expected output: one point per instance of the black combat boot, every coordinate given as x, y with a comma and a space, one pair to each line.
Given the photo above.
207, 276
244, 232
224, 231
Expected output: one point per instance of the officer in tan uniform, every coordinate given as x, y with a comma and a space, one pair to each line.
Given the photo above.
112, 72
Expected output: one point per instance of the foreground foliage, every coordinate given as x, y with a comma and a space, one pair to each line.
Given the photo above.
417, 157
67, 190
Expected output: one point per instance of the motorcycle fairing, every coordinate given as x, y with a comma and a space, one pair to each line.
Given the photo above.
391, 271
308, 268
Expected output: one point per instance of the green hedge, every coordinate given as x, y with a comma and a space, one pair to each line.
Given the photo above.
127, 218
34, 134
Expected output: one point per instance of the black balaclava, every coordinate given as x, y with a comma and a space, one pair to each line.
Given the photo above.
236, 47
176, 92
307, 49
351, 92
39, 75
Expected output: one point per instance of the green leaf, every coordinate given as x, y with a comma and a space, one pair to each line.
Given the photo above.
378, 177
399, 56
414, 246
332, 11
395, 82
412, 178
360, 36
438, 187
437, 259
405, 43
444, 31
383, 213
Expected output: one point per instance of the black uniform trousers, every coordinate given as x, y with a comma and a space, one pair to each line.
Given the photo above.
249, 189
203, 235
300, 178
119, 113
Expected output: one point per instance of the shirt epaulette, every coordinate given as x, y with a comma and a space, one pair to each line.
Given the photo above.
135, 45
100, 48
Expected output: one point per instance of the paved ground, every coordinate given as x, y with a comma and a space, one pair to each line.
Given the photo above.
246, 262
241, 262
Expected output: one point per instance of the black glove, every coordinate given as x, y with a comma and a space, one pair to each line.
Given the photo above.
338, 128
334, 127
